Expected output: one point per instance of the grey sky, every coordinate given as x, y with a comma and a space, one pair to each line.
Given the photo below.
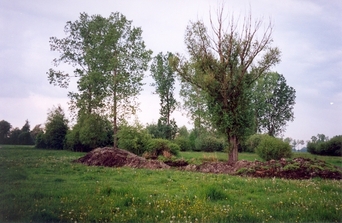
309, 34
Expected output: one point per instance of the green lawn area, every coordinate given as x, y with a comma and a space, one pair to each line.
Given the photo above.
46, 186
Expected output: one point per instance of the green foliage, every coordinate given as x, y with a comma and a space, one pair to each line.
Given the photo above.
252, 142
91, 131
5, 128
162, 129
207, 143
183, 142
194, 102
156, 147
273, 148
183, 131
16, 136
323, 146
56, 128
164, 78
40, 141
133, 138
109, 59
273, 102
224, 67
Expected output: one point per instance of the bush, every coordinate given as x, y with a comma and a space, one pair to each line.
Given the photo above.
90, 132
157, 147
273, 148
133, 138
183, 142
252, 143
209, 144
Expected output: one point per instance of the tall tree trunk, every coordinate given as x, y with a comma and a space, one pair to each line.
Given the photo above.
233, 150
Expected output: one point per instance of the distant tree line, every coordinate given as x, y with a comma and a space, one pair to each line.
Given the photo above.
322, 145
17, 136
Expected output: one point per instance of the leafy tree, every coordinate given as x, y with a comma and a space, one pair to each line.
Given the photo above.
161, 130
5, 128
224, 66
183, 131
109, 57
14, 136
25, 137
91, 131
195, 104
273, 102
26, 127
321, 145
35, 131
56, 128
164, 77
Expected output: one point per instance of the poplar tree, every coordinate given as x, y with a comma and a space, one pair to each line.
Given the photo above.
273, 102
164, 77
109, 58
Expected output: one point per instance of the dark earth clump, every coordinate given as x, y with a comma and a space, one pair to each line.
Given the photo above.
111, 157
297, 168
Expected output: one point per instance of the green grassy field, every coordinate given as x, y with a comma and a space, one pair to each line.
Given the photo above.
45, 186
221, 156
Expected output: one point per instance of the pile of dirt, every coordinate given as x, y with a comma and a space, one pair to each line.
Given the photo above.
297, 168
113, 157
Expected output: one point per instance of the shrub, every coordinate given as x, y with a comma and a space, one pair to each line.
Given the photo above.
157, 147
183, 142
133, 138
252, 142
209, 144
273, 148
90, 132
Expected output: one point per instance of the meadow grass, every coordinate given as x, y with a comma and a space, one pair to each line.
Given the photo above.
46, 186
198, 157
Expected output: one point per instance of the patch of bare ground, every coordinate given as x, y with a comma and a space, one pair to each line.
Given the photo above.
297, 168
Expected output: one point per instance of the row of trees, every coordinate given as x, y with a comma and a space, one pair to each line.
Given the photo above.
226, 81
16, 136
322, 145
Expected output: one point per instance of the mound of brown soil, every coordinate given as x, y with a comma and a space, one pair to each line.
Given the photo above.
298, 168
111, 157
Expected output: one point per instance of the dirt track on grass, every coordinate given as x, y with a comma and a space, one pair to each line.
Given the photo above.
297, 168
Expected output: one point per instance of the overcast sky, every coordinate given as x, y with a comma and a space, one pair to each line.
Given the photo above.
309, 34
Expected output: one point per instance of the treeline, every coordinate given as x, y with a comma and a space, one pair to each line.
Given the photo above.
17, 136
322, 145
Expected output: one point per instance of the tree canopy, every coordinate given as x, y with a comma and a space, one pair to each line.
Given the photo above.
109, 59
273, 102
164, 77
225, 65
